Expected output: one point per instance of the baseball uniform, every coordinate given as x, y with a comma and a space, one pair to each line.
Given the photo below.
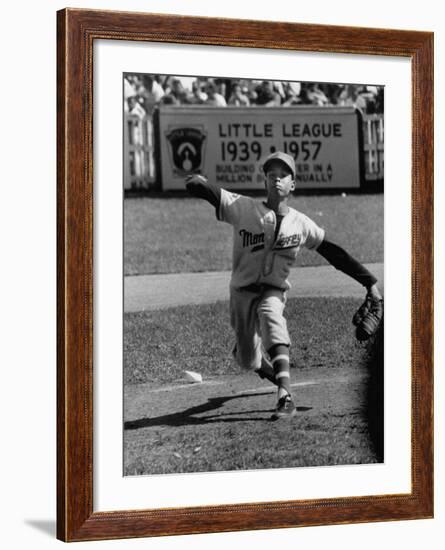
264, 251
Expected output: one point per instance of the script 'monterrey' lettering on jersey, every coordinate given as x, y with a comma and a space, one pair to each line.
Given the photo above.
288, 241
250, 239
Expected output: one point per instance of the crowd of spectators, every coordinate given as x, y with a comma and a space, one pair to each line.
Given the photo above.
142, 93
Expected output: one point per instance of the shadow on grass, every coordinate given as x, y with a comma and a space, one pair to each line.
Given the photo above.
188, 417
375, 393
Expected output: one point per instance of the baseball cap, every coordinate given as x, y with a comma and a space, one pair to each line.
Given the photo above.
283, 157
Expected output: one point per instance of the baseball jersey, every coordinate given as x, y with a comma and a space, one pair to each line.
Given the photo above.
259, 255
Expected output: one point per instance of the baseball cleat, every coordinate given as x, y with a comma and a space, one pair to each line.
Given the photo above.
285, 408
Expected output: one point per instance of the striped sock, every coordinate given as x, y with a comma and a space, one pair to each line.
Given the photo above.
279, 357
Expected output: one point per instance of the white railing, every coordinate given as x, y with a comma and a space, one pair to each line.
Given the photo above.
373, 146
139, 163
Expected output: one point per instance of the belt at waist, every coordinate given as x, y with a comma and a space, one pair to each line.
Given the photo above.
257, 288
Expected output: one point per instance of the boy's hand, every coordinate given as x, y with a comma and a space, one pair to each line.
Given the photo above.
195, 179
374, 292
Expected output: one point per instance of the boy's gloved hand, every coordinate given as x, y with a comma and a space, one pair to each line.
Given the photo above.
369, 315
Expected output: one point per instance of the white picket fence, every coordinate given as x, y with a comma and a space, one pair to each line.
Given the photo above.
139, 161
373, 146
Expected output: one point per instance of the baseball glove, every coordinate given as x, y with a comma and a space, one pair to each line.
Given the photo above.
368, 317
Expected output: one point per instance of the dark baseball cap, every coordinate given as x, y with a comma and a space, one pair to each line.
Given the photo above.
283, 157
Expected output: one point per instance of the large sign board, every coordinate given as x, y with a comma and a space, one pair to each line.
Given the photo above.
228, 144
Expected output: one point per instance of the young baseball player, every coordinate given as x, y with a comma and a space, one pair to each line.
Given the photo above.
266, 239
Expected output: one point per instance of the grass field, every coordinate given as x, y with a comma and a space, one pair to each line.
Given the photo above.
224, 423
169, 235
160, 345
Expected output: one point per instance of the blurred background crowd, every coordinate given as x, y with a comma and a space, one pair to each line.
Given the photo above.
143, 92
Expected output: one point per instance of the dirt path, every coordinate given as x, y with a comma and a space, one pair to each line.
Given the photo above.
222, 424
149, 292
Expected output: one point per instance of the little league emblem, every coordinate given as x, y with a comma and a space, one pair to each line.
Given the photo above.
186, 145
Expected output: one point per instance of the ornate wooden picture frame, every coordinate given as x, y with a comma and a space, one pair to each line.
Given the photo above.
77, 520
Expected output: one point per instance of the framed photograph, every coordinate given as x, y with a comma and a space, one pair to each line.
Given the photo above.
168, 126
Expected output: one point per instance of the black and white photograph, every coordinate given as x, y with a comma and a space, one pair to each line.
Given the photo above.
253, 274
131, 416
